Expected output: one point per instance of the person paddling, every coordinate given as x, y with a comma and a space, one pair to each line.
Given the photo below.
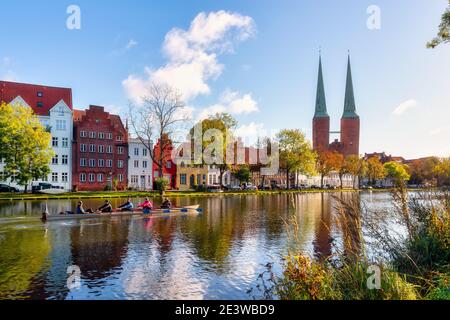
80, 209
127, 206
146, 205
106, 208
166, 204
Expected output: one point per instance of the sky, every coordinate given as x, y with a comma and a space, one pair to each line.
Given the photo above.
255, 60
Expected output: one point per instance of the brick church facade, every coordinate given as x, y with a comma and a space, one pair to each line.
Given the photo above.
350, 122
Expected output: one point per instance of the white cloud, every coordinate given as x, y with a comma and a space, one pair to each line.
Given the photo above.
131, 44
6, 72
405, 106
193, 54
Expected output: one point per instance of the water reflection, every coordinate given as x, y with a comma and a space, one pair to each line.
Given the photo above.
216, 255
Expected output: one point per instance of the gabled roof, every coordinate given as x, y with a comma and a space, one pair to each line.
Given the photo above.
29, 93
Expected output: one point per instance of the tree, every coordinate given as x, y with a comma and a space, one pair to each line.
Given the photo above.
225, 124
295, 153
355, 166
443, 35
397, 172
25, 145
327, 162
241, 173
375, 170
422, 170
160, 115
442, 170
263, 144
341, 168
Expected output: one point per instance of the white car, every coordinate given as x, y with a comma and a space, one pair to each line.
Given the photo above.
251, 187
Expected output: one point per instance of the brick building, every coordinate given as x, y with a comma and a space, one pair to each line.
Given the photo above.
100, 144
53, 107
350, 122
168, 164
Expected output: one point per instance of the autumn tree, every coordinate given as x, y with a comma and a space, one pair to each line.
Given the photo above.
375, 170
160, 115
25, 145
443, 35
327, 162
442, 170
422, 170
355, 166
296, 154
397, 172
241, 173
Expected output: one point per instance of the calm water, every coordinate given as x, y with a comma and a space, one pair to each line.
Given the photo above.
215, 255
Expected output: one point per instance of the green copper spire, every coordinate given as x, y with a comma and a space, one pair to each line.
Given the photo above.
349, 103
321, 104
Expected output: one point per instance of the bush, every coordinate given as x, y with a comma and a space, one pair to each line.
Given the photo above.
161, 184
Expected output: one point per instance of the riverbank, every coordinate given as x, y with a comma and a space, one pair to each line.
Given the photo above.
171, 194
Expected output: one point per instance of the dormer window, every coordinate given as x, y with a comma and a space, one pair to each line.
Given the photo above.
40, 94
40, 104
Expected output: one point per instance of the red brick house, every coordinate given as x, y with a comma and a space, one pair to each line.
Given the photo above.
169, 167
100, 150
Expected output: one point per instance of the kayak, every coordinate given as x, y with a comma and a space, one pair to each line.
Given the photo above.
151, 213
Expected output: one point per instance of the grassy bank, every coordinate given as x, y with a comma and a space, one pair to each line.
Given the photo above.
135, 194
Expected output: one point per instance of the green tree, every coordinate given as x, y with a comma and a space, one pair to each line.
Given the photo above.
397, 172
443, 35
442, 170
25, 144
225, 123
296, 154
241, 173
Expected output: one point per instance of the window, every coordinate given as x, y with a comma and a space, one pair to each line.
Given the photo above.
92, 135
136, 163
109, 136
109, 149
199, 179
120, 150
54, 142
144, 152
65, 142
65, 159
169, 165
65, 177
82, 177
83, 162
92, 148
39, 104
183, 179
101, 135
92, 163
91, 177
120, 164
100, 177
83, 147
55, 160
83, 134
54, 177
136, 152
119, 138
156, 174
61, 125
144, 164
109, 163
134, 180
101, 149
120, 177
40, 94
101, 163
61, 111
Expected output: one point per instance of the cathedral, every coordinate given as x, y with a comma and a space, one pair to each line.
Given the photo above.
350, 123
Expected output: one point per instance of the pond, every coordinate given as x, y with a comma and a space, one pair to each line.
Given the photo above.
217, 254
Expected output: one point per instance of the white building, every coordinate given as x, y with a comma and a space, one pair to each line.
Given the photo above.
53, 107
140, 166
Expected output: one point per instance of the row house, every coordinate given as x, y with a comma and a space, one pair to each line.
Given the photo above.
140, 165
168, 165
100, 144
53, 107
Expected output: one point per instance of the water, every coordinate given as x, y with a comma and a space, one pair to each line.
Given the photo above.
215, 255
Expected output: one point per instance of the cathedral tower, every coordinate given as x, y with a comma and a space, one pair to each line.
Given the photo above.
321, 120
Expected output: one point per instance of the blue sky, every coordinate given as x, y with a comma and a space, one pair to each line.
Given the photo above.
260, 63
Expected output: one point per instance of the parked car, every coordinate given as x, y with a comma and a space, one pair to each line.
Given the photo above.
214, 189
44, 186
251, 187
6, 188
235, 188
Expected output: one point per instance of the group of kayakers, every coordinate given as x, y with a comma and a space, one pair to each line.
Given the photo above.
127, 206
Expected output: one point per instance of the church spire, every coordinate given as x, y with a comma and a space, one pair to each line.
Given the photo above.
321, 104
349, 103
